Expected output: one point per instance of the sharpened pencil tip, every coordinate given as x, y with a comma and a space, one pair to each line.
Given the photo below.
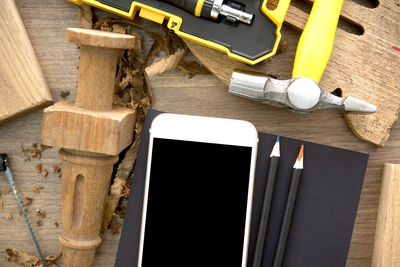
276, 151
299, 161
300, 153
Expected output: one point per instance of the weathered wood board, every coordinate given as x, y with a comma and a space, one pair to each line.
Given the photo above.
387, 235
22, 85
364, 61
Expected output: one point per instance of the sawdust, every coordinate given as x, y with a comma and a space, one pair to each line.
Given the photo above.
64, 94
166, 42
37, 189
44, 172
38, 167
5, 190
26, 260
41, 213
33, 152
28, 201
56, 169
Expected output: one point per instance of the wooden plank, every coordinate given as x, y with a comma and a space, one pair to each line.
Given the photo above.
387, 235
22, 85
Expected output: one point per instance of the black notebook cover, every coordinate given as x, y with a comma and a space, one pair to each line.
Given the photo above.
325, 210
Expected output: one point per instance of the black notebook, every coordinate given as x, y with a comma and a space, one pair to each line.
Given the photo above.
325, 210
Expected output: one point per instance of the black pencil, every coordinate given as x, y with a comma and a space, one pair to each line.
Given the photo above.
266, 206
287, 216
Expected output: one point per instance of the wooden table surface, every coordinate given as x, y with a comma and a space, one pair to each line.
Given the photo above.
46, 23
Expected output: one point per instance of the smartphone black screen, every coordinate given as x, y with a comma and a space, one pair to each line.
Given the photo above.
196, 208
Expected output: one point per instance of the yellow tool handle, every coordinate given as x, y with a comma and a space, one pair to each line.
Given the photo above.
316, 42
278, 14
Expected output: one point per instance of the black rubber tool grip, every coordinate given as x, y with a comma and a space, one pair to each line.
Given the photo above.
3, 162
188, 5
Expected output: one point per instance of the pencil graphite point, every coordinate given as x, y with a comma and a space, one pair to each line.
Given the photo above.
299, 161
276, 150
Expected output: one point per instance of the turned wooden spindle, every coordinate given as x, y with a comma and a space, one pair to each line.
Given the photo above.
91, 133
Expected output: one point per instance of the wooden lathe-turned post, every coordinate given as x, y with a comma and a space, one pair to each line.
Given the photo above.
91, 134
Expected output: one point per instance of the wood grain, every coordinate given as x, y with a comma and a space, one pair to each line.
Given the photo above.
98, 132
46, 23
91, 132
85, 184
363, 62
22, 85
387, 235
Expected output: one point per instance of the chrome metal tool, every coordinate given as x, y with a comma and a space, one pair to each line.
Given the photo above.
213, 9
302, 93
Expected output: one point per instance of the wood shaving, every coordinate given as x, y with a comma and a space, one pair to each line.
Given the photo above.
37, 189
121, 211
192, 68
44, 172
85, 16
37, 154
126, 190
39, 223
28, 201
56, 169
38, 167
119, 29
9, 216
154, 51
33, 152
115, 226
26, 260
56, 224
1, 205
41, 213
44, 147
5, 190
64, 94
165, 64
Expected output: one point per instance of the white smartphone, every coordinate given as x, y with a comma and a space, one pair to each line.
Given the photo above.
198, 192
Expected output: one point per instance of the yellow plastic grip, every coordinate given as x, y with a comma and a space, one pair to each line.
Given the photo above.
278, 14
316, 42
199, 7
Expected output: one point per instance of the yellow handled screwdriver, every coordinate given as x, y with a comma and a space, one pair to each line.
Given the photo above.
302, 93
213, 9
